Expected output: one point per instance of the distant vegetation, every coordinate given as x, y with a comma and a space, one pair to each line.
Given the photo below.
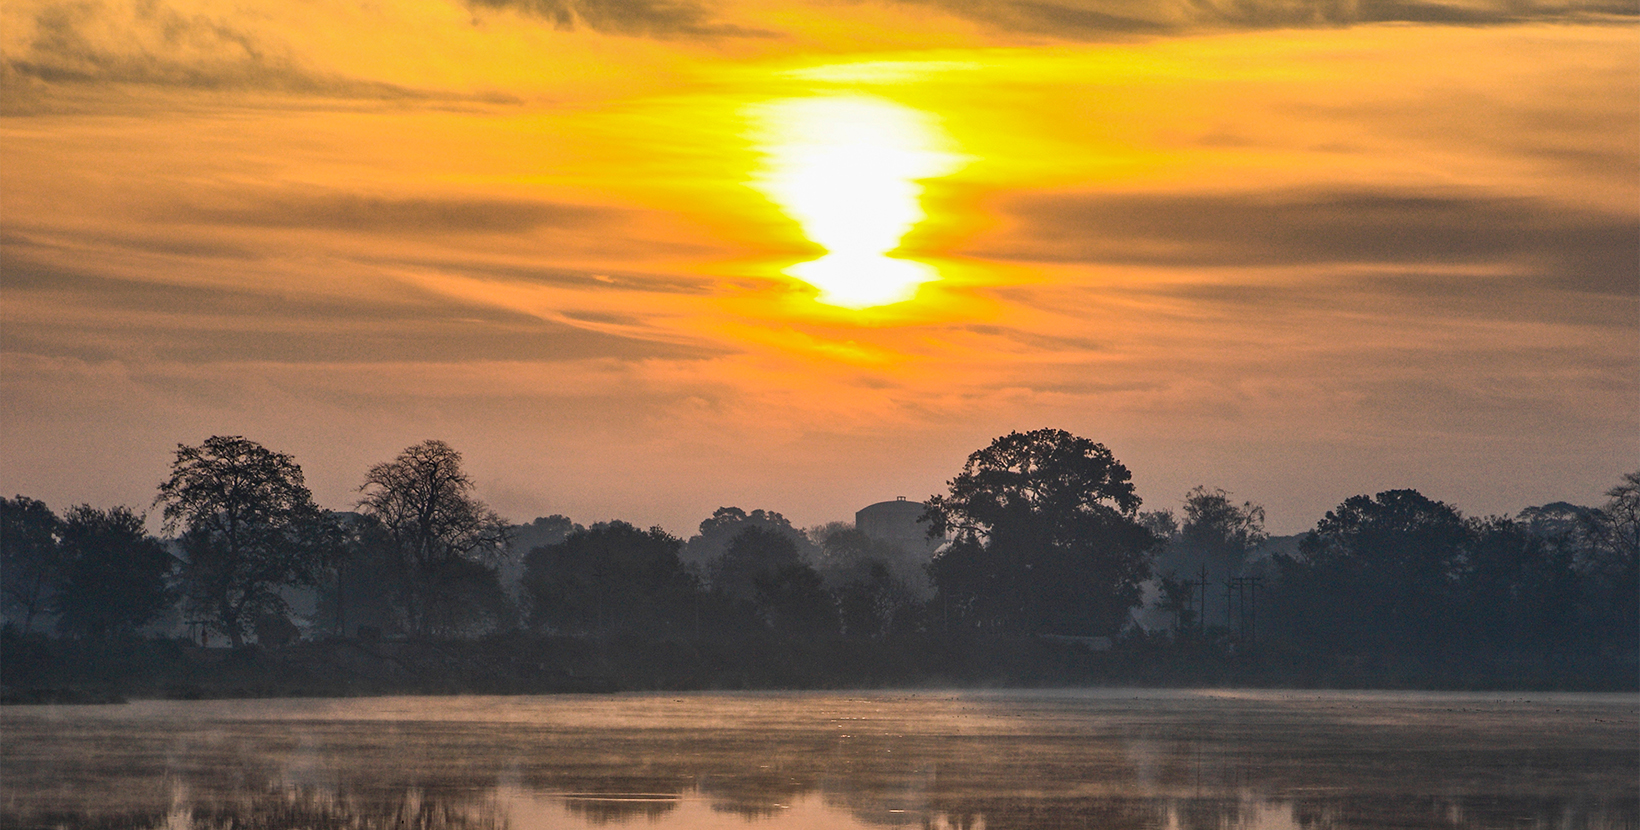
1046, 573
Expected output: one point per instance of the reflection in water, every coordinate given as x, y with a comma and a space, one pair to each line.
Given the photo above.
287, 807
607, 808
1183, 760
846, 168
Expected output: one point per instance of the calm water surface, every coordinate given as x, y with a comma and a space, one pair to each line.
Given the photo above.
1107, 759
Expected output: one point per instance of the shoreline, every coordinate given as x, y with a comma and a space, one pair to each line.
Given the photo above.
38, 670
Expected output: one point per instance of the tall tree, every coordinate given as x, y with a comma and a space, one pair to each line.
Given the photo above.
877, 584
873, 602
1222, 531
611, 576
727, 522
1214, 539
364, 583
847, 554
1519, 588
249, 526
30, 556
1048, 537
763, 570
113, 577
438, 530
753, 553
1377, 574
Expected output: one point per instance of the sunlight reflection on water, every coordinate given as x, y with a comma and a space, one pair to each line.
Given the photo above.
1125, 759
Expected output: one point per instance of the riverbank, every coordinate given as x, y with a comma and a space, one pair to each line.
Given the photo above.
37, 669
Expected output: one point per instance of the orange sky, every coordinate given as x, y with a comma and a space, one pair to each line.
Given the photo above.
1299, 251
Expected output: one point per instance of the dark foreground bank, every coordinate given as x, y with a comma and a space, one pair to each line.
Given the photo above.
36, 669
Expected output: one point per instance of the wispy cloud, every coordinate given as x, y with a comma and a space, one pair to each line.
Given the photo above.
150, 44
145, 321
1097, 19
370, 214
649, 18
1572, 248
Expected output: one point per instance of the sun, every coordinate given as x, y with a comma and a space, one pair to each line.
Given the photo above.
847, 168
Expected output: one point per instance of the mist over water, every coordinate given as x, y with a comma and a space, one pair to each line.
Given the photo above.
1112, 758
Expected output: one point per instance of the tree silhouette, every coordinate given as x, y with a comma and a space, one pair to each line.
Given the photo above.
726, 522
1217, 535
424, 501
791, 600
366, 582
1611, 565
754, 552
1047, 536
762, 570
1377, 574
873, 602
30, 558
249, 527
1222, 531
113, 576
1519, 588
607, 577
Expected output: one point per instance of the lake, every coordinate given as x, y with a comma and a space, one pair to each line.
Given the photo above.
772, 761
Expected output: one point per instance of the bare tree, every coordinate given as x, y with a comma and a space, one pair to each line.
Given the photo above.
1621, 514
424, 501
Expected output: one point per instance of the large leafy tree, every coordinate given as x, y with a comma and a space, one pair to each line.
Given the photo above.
30, 557
1377, 574
364, 581
1622, 518
763, 569
439, 533
755, 552
249, 526
113, 578
877, 584
1048, 538
610, 576
717, 532
1519, 589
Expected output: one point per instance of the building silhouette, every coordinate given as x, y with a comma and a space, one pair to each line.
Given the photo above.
895, 522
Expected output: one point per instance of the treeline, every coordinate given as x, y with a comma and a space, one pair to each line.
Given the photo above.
1046, 571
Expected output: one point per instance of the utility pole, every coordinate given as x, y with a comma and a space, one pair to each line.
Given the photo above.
1241, 605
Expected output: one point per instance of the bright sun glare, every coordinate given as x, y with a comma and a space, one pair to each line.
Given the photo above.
846, 168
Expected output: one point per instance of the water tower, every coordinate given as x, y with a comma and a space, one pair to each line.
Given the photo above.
895, 522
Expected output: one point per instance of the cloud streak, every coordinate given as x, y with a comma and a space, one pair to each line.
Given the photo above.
149, 44
369, 214
1099, 19
649, 18
1576, 249
57, 312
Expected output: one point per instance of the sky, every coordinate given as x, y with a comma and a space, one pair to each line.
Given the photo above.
639, 259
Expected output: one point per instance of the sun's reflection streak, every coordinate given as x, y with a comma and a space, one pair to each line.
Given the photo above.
847, 168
